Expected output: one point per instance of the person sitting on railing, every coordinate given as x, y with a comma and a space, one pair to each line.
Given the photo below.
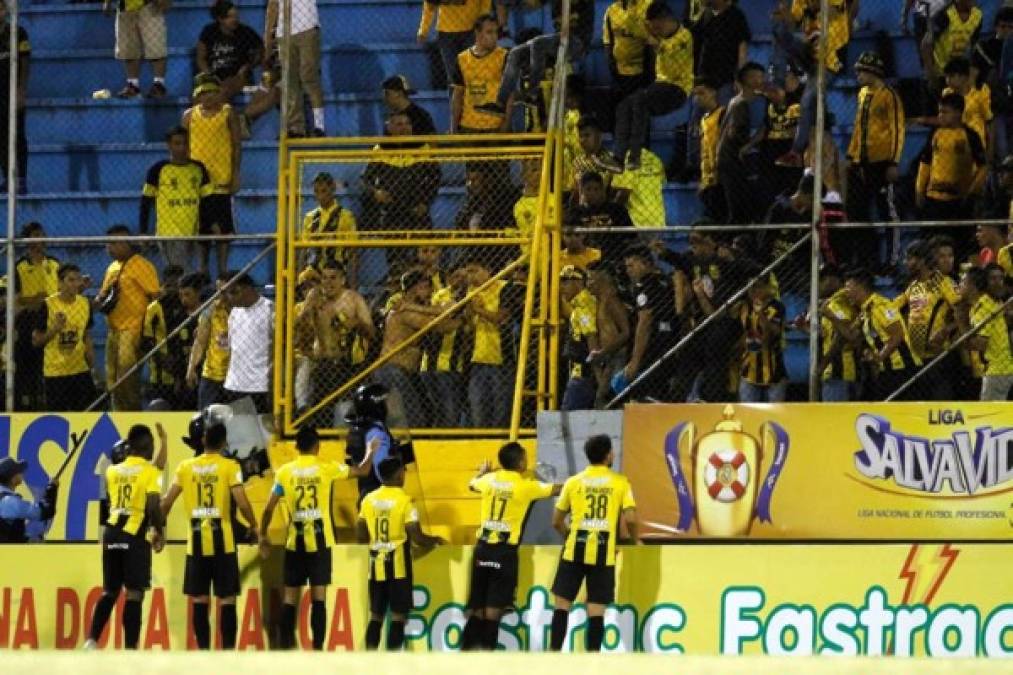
230, 51
342, 327
992, 338
63, 333
175, 187
672, 44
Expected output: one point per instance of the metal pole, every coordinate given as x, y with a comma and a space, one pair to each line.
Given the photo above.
814, 258
706, 322
12, 190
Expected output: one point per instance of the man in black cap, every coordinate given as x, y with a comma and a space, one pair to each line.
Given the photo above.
396, 91
16, 513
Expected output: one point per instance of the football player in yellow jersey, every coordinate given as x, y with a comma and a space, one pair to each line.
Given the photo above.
210, 484
600, 506
389, 523
306, 484
507, 496
134, 486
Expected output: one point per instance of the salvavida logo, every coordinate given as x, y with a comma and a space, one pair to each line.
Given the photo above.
974, 464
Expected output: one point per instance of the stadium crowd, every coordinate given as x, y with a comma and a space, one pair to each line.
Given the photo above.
627, 298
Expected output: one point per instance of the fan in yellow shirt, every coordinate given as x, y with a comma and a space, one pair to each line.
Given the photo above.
640, 191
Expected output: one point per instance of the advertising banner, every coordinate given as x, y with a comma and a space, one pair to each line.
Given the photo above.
439, 480
822, 471
867, 599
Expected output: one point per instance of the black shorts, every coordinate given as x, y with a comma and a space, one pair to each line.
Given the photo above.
202, 571
126, 561
216, 210
601, 582
302, 567
493, 576
393, 594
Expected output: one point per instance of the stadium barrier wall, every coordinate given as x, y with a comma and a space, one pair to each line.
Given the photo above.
438, 481
822, 471
903, 600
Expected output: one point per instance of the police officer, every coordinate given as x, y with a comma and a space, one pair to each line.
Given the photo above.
15, 512
368, 421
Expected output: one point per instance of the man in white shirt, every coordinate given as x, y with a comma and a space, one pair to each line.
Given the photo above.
251, 339
304, 54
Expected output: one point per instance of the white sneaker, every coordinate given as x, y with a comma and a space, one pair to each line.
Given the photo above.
90, 644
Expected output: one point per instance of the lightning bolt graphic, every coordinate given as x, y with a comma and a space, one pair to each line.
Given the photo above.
925, 570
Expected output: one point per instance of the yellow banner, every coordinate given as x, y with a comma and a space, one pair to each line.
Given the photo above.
438, 481
872, 599
822, 471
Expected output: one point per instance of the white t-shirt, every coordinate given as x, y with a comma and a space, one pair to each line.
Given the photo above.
251, 333
926, 8
304, 17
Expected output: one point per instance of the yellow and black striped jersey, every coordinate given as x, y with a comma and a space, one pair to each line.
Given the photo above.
306, 483
207, 481
877, 315
128, 484
506, 502
387, 512
595, 498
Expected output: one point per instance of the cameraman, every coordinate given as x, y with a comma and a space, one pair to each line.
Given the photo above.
17, 514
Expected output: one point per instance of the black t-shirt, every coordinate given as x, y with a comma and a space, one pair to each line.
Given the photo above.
654, 292
719, 37
226, 54
422, 121
735, 131
605, 215
724, 277
5, 57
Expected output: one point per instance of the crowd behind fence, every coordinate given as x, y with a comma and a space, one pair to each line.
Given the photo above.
758, 201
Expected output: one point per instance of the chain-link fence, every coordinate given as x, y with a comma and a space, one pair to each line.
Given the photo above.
410, 268
107, 323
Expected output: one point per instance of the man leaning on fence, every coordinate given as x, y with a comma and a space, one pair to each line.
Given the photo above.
130, 283
251, 339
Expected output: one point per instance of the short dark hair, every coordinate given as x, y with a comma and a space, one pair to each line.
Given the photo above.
194, 280
1004, 15
484, 19
952, 101
65, 269
740, 75
306, 439
510, 455
178, 130
221, 9
658, 10
226, 275
591, 177
919, 249
958, 65
942, 240
31, 227
589, 121
861, 276
597, 448
240, 280
173, 271
388, 468
118, 230
638, 251
332, 264
978, 277
138, 437
1000, 228
215, 435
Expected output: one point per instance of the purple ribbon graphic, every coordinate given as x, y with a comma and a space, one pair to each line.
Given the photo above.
781, 443
686, 511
